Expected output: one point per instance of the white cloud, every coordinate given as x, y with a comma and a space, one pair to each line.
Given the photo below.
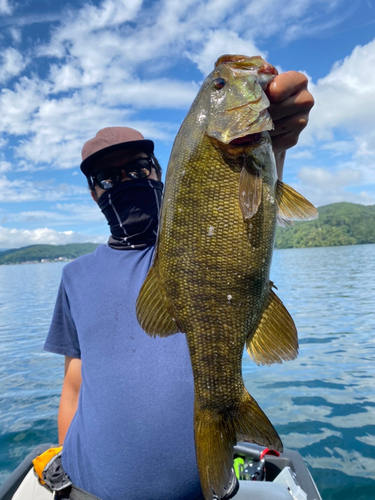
6, 7
12, 63
99, 56
289, 20
300, 155
159, 94
18, 106
69, 214
219, 42
365, 147
89, 34
5, 166
345, 98
341, 133
16, 34
22, 190
322, 186
340, 147
16, 238
108, 62
59, 134
318, 20
323, 178
109, 13
57, 131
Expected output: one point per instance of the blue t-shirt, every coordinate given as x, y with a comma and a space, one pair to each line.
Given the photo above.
132, 436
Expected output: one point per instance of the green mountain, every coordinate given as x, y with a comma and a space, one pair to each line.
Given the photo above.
338, 224
39, 253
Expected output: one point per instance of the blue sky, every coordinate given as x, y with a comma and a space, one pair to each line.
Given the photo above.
69, 69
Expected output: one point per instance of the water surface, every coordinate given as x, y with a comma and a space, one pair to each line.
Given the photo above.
322, 404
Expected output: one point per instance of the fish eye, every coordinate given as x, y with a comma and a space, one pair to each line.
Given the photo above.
218, 83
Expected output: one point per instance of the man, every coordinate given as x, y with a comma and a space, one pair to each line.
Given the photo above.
126, 409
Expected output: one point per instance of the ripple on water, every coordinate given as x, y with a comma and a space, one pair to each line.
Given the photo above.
322, 403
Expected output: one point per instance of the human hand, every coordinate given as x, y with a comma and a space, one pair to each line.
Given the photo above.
290, 106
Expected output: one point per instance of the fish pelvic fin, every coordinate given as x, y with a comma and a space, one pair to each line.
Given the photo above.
151, 307
292, 205
217, 433
275, 339
250, 192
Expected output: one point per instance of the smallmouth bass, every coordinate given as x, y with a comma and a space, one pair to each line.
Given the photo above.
210, 275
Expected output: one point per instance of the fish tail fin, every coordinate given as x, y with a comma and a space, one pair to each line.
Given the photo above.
252, 424
217, 433
214, 441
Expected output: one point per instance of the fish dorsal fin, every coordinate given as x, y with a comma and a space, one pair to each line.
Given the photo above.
292, 205
250, 192
275, 340
151, 308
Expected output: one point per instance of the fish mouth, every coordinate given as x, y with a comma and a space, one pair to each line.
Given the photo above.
247, 139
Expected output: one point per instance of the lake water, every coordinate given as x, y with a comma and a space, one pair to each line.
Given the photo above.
322, 404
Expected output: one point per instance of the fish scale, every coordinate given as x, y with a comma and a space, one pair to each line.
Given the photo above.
210, 275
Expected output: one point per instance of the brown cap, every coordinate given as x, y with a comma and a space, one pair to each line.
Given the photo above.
111, 139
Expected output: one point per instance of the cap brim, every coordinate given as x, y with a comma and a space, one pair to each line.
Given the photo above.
87, 166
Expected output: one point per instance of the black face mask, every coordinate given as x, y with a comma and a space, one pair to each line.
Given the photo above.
132, 211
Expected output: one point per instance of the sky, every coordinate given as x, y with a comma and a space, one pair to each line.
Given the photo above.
68, 69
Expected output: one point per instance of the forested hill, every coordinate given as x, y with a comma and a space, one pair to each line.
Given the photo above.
338, 224
46, 253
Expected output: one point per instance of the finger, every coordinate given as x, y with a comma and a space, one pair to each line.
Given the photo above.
299, 103
287, 131
286, 84
281, 143
289, 124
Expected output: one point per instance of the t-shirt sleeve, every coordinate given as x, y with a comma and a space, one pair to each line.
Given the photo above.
62, 336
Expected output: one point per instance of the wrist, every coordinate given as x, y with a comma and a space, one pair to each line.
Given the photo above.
280, 159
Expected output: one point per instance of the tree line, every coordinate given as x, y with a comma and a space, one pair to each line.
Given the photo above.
338, 224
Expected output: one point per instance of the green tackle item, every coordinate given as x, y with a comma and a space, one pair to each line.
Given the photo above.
238, 465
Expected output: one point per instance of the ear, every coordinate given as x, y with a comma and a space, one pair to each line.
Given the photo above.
93, 196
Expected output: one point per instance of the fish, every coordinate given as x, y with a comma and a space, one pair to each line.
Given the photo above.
210, 275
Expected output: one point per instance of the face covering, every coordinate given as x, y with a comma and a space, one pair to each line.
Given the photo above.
132, 211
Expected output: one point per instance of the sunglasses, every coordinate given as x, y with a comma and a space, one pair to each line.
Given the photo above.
140, 168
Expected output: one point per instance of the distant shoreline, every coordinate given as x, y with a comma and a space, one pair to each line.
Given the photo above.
40, 254
43, 261
339, 224
54, 261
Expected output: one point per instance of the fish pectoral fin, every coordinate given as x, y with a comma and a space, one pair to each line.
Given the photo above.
275, 340
151, 308
292, 205
250, 192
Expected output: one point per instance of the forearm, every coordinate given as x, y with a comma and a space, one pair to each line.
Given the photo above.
67, 409
69, 395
